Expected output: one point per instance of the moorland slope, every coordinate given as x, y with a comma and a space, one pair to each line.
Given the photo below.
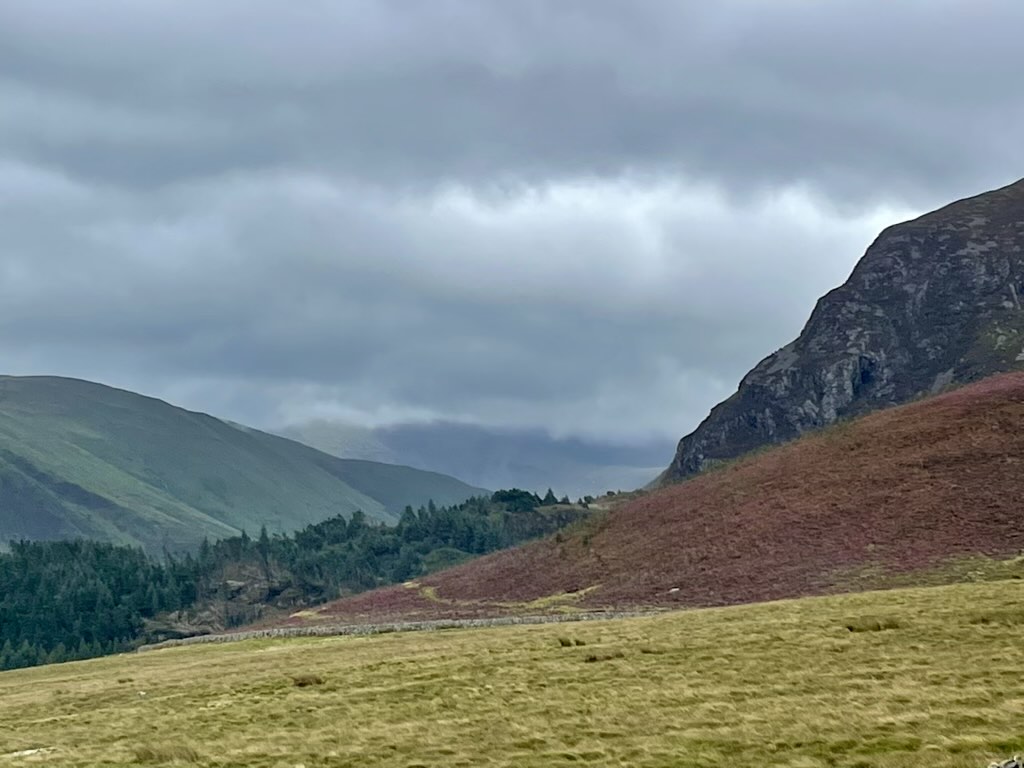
899, 494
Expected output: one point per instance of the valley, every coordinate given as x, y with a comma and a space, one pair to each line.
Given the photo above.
489, 384
497, 458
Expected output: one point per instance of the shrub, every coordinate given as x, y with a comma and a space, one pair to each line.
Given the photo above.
304, 681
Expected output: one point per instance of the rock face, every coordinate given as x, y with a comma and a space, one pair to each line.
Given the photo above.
934, 302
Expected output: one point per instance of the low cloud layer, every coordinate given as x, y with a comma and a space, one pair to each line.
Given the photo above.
587, 217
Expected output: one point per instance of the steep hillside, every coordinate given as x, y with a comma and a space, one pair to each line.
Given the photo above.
902, 491
496, 458
83, 460
934, 301
395, 486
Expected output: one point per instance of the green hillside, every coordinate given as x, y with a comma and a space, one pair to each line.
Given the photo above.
922, 677
79, 459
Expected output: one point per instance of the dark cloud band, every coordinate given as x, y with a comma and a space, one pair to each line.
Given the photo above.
587, 217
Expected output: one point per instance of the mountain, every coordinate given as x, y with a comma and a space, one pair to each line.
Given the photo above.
79, 459
917, 493
496, 458
934, 302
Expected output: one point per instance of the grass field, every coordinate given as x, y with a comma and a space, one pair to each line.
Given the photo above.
925, 677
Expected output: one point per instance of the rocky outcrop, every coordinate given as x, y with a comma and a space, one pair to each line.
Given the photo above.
935, 302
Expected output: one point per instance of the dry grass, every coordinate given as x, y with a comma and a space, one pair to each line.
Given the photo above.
873, 623
162, 754
780, 684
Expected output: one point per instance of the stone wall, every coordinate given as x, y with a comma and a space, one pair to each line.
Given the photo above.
337, 630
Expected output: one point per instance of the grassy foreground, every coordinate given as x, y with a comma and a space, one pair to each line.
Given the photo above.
925, 677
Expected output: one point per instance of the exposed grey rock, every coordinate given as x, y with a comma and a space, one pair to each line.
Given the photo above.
935, 302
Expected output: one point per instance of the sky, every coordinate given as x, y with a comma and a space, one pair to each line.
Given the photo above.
588, 216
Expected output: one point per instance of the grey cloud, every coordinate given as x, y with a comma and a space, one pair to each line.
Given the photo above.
587, 310
900, 101
587, 216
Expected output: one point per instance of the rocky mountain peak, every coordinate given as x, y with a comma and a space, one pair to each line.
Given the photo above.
935, 302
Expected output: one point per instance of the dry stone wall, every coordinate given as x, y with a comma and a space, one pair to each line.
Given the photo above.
337, 630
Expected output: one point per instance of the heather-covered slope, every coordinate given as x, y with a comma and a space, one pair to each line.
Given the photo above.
79, 459
903, 490
933, 302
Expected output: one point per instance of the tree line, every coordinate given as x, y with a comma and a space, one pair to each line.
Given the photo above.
65, 600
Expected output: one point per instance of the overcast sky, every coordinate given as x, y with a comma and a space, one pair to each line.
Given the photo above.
588, 215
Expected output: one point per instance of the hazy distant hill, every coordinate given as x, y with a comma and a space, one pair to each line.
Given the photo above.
79, 459
496, 458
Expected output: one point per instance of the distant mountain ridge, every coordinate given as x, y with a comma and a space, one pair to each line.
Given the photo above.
494, 457
82, 460
934, 302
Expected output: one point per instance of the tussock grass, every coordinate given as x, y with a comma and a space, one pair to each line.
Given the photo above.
166, 753
872, 624
1010, 617
956, 570
594, 657
566, 642
777, 684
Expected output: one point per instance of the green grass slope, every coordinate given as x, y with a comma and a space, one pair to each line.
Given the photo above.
899, 679
83, 460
